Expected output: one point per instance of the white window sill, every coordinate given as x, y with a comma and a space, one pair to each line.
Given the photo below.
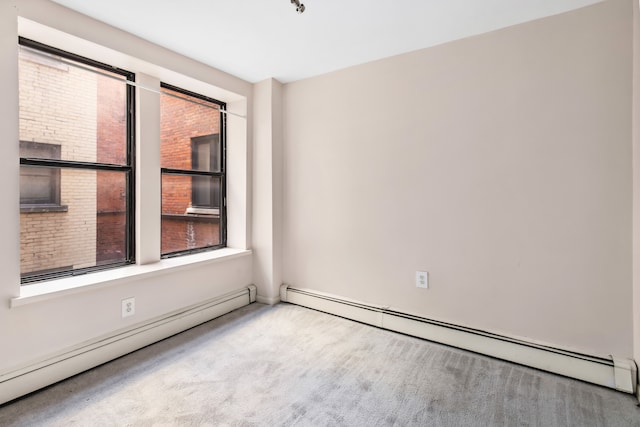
203, 211
50, 289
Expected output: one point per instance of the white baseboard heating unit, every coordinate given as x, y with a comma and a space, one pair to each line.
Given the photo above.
616, 373
38, 374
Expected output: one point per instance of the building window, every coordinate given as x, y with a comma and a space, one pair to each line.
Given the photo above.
192, 131
205, 156
40, 186
76, 169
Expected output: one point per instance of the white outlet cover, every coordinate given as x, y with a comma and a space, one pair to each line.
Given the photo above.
128, 307
422, 279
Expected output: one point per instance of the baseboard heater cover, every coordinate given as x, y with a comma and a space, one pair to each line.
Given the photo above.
39, 374
614, 372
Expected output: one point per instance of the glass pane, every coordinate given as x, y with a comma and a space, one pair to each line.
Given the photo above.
189, 133
185, 225
82, 112
86, 229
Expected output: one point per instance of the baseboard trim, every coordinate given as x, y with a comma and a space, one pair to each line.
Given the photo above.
38, 374
614, 372
267, 300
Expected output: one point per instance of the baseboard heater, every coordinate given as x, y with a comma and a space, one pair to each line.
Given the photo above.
616, 373
39, 374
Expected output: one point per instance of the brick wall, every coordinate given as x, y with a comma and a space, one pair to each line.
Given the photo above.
111, 217
188, 232
111, 186
64, 113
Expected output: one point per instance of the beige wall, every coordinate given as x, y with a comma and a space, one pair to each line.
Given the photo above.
500, 163
267, 190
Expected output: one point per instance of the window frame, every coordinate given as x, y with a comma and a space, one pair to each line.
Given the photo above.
221, 174
128, 169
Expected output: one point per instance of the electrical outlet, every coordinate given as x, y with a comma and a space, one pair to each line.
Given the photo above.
422, 279
128, 307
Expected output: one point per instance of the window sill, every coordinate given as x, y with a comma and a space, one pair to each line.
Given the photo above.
203, 211
43, 208
42, 291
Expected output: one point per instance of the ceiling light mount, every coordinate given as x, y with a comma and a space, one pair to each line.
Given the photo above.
299, 6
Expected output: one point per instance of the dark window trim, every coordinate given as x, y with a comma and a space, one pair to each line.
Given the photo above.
23, 41
51, 272
222, 174
221, 104
128, 169
59, 273
190, 172
29, 161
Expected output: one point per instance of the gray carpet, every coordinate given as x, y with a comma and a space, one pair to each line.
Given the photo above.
286, 365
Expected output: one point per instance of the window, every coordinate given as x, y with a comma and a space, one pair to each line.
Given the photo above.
205, 156
39, 186
76, 168
192, 131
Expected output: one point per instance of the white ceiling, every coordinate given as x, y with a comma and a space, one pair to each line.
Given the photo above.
257, 39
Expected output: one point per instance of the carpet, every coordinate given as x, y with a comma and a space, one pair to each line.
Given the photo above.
286, 365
